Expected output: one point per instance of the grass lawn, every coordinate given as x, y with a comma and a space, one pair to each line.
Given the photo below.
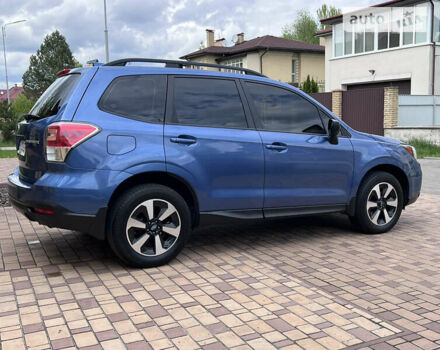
425, 148
8, 154
7, 144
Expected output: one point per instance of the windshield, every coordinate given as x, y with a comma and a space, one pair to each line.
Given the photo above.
55, 96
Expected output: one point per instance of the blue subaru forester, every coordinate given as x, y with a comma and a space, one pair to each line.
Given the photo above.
140, 155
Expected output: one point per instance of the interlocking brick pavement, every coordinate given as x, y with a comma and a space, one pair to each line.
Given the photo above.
7, 165
309, 283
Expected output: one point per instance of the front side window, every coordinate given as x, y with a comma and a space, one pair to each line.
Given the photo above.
140, 97
207, 102
282, 110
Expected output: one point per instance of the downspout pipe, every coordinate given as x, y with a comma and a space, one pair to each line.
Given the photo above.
261, 59
433, 48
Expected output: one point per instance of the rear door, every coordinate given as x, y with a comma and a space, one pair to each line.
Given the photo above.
301, 167
210, 142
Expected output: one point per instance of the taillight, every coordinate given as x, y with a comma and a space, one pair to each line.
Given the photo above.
63, 136
63, 72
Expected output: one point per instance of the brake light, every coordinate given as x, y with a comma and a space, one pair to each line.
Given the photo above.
63, 72
63, 136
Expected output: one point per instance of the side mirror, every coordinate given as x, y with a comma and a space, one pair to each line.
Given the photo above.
333, 131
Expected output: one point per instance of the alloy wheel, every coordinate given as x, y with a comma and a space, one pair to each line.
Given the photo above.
382, 202
153, 227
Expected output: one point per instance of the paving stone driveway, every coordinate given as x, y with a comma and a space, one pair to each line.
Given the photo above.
308, 283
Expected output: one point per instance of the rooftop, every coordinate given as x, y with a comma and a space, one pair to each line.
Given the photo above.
259, 43
13, 93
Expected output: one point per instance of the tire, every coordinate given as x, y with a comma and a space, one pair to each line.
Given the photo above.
149, 225
379, 203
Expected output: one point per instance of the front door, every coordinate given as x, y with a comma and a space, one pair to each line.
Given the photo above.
302, 169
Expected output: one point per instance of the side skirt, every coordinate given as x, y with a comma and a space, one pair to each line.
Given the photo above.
227, 216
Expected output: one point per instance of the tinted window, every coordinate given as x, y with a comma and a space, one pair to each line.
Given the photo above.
208, 102
326, 118
140, 97
282, 110
55, 96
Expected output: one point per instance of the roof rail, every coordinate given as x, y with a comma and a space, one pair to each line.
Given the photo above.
181, 64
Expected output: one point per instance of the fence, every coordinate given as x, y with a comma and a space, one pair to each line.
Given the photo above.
419, 111
324, 98
362, 109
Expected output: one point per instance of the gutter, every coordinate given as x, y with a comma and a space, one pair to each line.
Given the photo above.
261, 59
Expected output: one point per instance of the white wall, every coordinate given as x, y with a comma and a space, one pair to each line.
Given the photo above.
395, 64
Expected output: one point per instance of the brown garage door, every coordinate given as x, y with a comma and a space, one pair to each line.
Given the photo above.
404, 86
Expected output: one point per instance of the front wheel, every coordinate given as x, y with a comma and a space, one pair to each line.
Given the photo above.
149, 225
379, 203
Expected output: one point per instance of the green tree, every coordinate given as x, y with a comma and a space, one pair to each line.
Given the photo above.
309, 85
302, 29
53, 55
326, 11
8, 121
22, 105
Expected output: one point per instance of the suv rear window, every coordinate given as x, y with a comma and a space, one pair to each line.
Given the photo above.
140, 97
55, 96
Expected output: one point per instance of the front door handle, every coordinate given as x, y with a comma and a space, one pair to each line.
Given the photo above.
184, 139
277, 146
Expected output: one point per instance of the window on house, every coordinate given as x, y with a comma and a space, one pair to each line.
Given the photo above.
338, 40
236, 62
348, 38
294, 73
421, 23
384, 28
395, 27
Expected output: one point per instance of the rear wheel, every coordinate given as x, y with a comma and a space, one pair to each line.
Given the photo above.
149, 225
379, 203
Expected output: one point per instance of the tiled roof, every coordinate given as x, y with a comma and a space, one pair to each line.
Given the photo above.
262, 42
13, 93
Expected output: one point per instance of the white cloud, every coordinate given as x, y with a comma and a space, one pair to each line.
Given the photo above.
139, 28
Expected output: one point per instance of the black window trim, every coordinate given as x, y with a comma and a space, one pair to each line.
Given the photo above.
344, 132
255, 114
170, 101
141, 119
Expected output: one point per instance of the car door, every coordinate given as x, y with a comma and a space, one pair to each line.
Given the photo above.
302, 169
210, 142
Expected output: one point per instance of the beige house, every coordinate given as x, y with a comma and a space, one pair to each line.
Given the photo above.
393, 43
285, 60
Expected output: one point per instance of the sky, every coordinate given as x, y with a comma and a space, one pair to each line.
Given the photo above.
140, 28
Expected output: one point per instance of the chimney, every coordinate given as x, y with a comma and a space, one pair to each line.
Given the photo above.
209, 37
240, 38
219, 42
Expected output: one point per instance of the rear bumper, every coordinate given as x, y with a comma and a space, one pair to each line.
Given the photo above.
21, 198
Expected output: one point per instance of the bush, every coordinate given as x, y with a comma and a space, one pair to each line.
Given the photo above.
309, 85
8, 121
22, 105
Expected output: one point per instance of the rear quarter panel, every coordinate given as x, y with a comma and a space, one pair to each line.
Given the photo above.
148, 151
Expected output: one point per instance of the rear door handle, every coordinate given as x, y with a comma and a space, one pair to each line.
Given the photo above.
184, 139
277, 146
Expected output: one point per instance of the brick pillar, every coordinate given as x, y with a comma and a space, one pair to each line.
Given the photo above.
390, 106
337, 103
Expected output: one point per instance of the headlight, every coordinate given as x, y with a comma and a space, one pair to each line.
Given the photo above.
410, 149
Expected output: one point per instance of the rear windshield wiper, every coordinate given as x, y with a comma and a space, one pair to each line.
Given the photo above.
30, 117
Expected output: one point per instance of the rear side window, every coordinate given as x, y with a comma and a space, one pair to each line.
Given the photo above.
285, 111
55, 96
207, 102
140, 97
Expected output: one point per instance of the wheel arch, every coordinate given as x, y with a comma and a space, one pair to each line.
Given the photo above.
394, 170
172, 181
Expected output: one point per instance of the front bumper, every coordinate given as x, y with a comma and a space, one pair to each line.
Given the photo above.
21, 198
